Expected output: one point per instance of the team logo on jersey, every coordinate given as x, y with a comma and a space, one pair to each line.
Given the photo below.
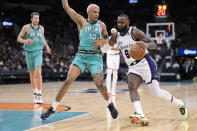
125, 47
93, 28
36, 34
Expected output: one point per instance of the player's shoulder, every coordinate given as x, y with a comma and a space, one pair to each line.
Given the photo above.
26, 27
101, 22
42, 26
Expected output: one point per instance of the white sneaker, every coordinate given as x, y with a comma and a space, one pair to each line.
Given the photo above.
35, 98
39, 99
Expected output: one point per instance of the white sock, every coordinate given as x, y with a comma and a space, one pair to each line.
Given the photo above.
163, 94
108, 80
54, 105
176, 101
34, 90
39, 91
115, 77
138, 107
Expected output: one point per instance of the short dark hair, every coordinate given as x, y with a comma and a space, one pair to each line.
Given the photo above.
34, 13
124, 15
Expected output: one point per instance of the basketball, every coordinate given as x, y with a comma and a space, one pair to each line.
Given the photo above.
137, 51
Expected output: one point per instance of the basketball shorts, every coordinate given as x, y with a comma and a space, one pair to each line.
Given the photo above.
33, 59
94, 62
113, 61
146, 69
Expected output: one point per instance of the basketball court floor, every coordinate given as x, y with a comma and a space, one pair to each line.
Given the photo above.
83, 108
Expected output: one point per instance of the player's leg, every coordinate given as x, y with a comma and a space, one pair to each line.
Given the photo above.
95, 66
149, 73
75, 70
73, 73
98, 80
38, 74
33, 84
138, 117
108, 80
114, 82
116, 63
31, 68
109, 73
163, 94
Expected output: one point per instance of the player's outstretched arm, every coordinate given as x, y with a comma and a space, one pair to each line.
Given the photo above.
21, 35
77, 18
138, 34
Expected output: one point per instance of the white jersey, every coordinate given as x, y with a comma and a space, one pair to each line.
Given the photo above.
125, 42
113, 52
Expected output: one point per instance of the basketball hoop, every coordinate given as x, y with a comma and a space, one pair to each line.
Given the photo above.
160, 37
159, 40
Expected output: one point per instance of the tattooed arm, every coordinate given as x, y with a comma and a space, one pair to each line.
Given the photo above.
138, 34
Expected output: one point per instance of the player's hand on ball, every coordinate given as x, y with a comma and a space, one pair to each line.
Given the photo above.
138, 50
142, 45
28, 41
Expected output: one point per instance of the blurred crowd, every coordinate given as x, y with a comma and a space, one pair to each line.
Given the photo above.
62, 35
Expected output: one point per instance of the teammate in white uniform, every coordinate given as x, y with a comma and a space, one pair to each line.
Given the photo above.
113, 62
144, 69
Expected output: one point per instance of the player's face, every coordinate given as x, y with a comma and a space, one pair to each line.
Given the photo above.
94, 14
122, 24
35, 19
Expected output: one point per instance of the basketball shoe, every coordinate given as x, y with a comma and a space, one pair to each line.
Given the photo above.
113, 110
138, 119
48, 113
35, 98
183, 111
39, 99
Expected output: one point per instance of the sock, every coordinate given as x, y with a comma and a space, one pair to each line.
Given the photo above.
138, 107
115, 77
39, 91
108, 80
176, 101
35, 91
54, 105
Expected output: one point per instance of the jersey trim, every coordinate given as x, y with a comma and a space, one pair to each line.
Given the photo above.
34, 28
83, 25
42, 29
28, 30
101, 26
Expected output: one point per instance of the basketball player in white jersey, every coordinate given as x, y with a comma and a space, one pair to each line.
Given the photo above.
113, 61
139, 70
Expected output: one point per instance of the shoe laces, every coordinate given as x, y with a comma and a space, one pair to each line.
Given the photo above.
39, 96
182, 110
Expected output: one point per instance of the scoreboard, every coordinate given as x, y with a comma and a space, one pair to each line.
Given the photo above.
161, 11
